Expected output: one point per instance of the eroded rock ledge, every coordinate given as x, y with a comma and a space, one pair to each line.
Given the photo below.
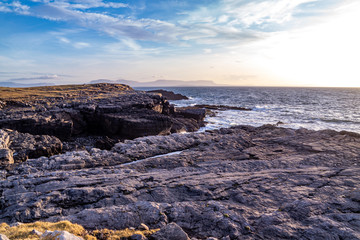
238, 183
75, 111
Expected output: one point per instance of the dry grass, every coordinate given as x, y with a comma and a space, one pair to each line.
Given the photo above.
66, 91
120, 234
24, 231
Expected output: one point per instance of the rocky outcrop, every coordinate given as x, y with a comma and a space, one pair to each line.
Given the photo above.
6, 155
169, 95
18, 147
237, 183
111, 110
187, 119
171, 231
3, 237
221, 107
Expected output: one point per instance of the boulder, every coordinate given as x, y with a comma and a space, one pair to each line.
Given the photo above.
59, 235
4, 139
190, 112
169, 95
25, 145
171, 231
36, 232
6, 157
138, 237
143, 226
3, 237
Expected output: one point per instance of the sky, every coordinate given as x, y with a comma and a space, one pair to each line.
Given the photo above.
233, 42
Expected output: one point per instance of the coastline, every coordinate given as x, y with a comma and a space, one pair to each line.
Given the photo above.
310, 108
242, 182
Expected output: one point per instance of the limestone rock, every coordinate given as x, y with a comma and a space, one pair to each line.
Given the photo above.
169, 95
97, 109
221, 107
6, 157
3, 237
15, 224
25, 145
190, 112
4, 139
138, 237
59, 235
238, 183
143, 226
171, 231
36, 232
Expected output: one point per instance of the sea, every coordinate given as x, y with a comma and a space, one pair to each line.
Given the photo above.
311, 108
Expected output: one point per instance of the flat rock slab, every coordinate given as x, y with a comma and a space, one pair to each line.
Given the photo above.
237, 183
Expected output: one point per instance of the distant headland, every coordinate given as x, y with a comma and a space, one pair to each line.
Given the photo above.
161, 83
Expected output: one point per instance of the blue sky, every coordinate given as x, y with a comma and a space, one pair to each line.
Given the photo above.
236, 42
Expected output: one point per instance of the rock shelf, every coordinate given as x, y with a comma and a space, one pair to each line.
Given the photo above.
238, 183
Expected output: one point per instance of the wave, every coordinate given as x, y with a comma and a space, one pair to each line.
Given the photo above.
339, 121
313, 108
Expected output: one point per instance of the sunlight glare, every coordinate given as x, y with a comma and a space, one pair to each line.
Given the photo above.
326, 54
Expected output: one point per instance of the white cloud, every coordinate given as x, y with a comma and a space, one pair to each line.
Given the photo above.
322, 54
260, 12
81, 45
131, 44
97, 3
64, 40
44, 77
231, 21
67, 41
117, 27
84, 4
228, 23
223, 19
14, 6
4, 8
78, 45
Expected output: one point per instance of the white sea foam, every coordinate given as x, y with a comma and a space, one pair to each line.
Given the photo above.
312, 108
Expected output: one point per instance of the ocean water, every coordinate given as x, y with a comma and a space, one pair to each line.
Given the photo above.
312, 108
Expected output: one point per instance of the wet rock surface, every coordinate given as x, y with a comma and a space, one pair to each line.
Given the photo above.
237, 183
221, 107
169, 95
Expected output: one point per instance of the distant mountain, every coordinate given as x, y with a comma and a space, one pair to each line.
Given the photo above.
160, 83
23, 85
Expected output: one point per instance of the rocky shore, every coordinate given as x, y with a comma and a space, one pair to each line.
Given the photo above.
86, 116
239, 183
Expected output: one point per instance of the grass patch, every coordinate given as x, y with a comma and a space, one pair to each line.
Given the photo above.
65, 91
107, 234
23, 231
